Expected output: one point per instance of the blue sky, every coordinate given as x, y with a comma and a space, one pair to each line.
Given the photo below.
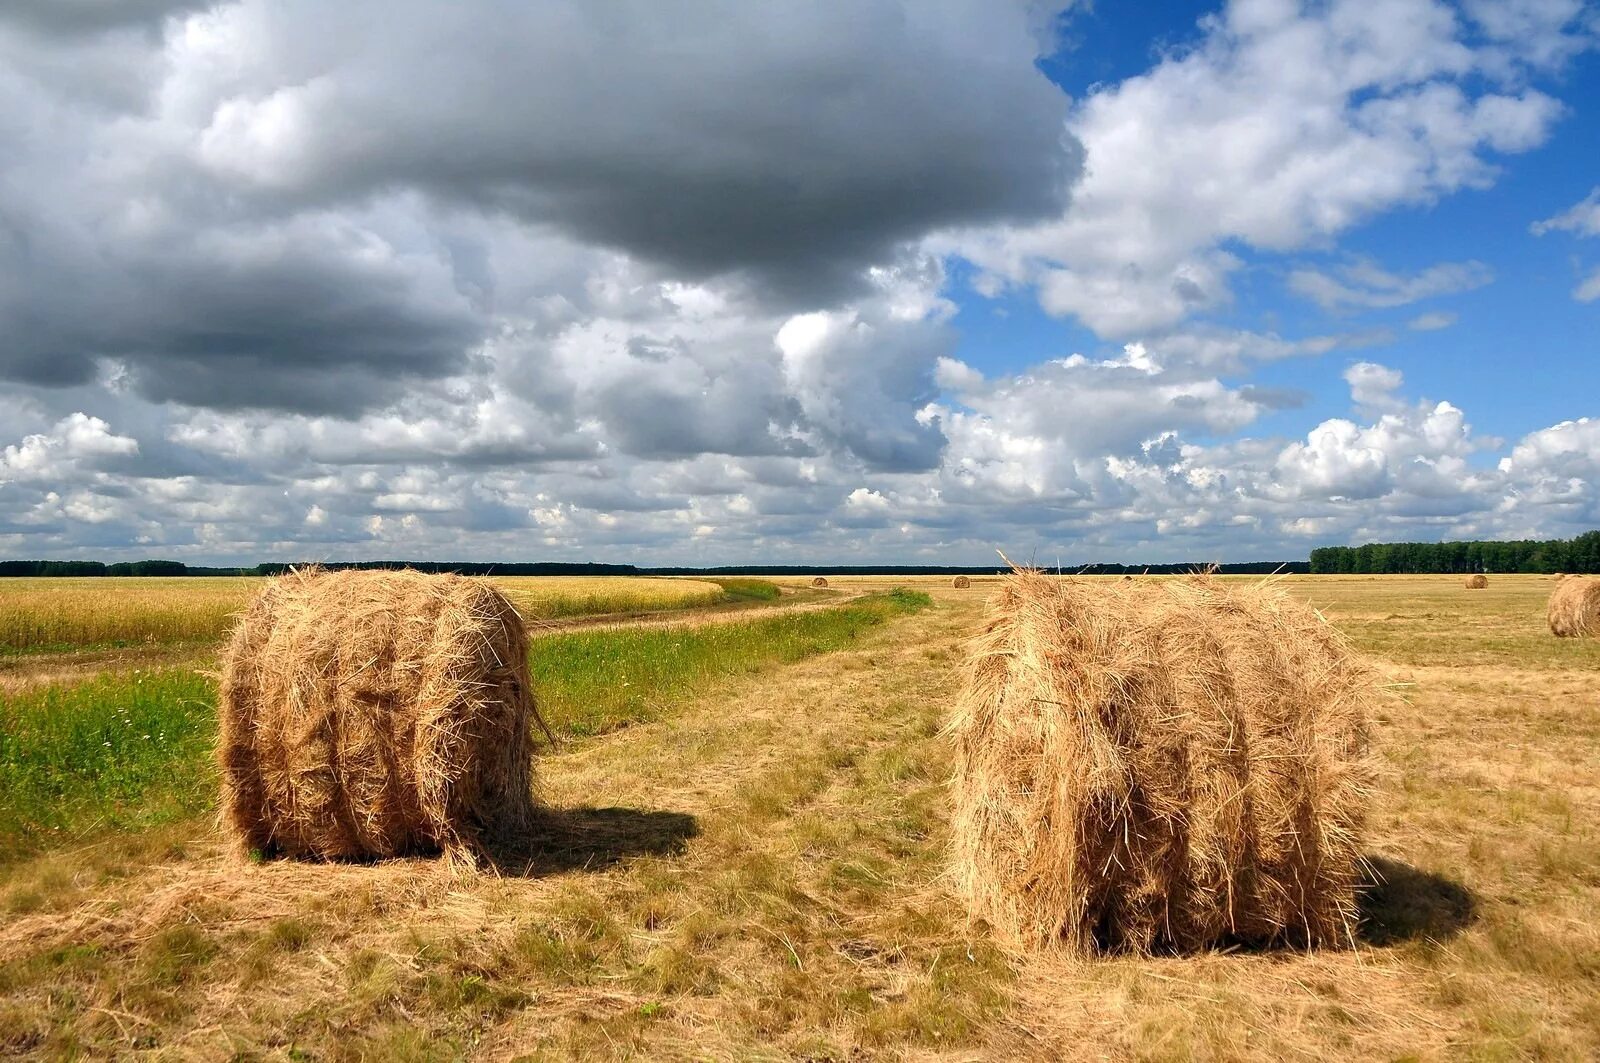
875, 282
1522, 323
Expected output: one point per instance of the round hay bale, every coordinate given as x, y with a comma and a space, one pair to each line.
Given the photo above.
1160, 764
820, 581
961, 583
1127, 577
1477, 581
1574, 609
372, 714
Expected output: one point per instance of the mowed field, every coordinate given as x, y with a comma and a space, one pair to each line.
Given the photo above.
745, 860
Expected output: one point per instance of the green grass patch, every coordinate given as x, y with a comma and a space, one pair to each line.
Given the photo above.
742, 589
133, 750
119, 751
591, 682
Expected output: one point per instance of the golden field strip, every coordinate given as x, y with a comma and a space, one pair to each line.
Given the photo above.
55, 614
757, 873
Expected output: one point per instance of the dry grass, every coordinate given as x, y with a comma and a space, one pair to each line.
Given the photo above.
757, 874
1574, 609
371, 714
1176, 764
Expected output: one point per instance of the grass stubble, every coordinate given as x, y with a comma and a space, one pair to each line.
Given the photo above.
759, 872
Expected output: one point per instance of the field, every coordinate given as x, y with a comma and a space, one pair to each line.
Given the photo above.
57, 615
748, 863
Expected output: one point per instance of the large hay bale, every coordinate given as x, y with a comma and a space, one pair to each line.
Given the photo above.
371, 714
1574, 609
961, 583
1160, 764
1477, 581
820, 581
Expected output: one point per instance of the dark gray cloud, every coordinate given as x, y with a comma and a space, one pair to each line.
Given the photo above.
303, 317
289, 205
70, 18
796, 143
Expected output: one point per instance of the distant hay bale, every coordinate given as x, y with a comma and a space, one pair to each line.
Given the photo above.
1127, 577
1160, 764
1477, 581
961, 583
1574, 610
820, 581
373, 714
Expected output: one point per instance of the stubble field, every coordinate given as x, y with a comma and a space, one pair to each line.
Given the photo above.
747, 862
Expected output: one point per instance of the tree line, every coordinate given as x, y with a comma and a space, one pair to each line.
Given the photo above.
1579, 554
590, 568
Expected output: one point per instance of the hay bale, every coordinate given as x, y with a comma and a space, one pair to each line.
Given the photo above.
961, 583
1477, 581
1160, 764
820, 581
1574, 609
372, 714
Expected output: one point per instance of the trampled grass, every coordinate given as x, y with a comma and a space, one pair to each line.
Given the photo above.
132, 750
57, 615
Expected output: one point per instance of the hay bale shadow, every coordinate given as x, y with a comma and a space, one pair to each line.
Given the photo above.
1402, 903
564, 840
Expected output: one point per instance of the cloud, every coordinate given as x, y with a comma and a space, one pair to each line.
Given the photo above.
1363, 284
1581, 219
1373, 386
281, 281
309, 211
1278, 128
1588, 290
72, 18
797, 144
77, 444
1432, 321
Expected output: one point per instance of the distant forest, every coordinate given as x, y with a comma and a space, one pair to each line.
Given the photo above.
1581, 554
557, 568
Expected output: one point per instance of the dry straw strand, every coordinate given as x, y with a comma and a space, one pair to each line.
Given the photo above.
1574, 610
1155, 765
372, 714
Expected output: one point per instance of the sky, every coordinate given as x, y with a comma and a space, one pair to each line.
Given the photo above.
861, 282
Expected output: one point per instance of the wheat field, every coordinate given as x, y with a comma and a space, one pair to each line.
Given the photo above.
60, 614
